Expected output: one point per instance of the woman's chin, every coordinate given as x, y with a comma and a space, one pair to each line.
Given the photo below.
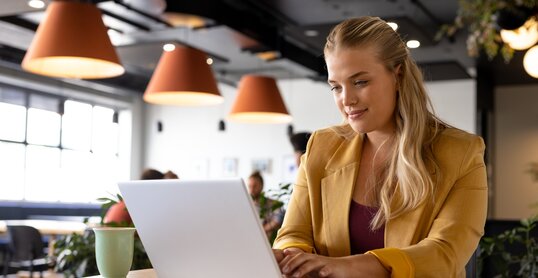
358, 128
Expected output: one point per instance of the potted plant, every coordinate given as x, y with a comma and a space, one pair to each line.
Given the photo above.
499, 250
75, 253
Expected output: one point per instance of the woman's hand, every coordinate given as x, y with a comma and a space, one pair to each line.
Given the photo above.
299, 264
279, 255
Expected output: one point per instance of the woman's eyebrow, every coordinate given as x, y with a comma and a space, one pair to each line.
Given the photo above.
355, 75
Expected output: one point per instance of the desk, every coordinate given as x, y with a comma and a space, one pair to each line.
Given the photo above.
144, 273
47, 227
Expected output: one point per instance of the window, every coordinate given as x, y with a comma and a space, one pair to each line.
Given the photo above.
43, 127
57, 150
77, 126
41, 173
12, 165
12, 122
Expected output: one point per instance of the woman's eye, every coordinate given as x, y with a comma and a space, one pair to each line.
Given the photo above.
335, 89
360, 82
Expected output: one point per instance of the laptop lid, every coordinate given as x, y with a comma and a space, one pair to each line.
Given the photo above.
204, 228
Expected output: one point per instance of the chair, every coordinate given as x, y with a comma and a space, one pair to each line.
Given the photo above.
470, 267
25, 250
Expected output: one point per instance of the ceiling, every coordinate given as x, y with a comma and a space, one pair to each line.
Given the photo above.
238, 29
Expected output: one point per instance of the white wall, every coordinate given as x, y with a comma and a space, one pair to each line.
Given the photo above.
455, 102
190, 141
192, 146
516, 145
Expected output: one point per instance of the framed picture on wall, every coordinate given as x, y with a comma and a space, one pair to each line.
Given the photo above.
262, 164
229, 167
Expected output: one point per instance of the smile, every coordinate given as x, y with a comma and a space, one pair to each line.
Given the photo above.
355, 114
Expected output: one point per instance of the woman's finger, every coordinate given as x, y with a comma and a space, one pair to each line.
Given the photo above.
279, 255
294, 262
310, 265
288, 254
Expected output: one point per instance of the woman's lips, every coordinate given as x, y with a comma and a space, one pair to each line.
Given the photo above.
355, 114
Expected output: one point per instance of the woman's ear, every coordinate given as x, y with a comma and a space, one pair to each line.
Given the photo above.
397, 70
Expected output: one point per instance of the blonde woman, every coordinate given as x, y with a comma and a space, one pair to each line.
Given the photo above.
394, 192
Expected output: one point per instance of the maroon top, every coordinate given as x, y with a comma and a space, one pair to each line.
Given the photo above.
361, 238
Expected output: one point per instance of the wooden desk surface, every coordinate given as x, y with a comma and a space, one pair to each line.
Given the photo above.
144, 273
47, 227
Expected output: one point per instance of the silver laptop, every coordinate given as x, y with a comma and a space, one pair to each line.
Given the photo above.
205, 228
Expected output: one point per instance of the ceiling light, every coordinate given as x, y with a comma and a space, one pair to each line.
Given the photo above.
268, 55
393, 25
209, 61
530, 61
36, 4
72, 42
183, 77
311, 33
413, 43
169, 47
258, 101
185, 20
523, 37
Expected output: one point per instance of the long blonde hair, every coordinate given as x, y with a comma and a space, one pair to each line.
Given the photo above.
406, 171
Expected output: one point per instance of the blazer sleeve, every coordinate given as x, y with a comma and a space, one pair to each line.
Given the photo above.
456, 230
296, 230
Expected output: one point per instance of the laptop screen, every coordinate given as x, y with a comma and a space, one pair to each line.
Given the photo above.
201, 228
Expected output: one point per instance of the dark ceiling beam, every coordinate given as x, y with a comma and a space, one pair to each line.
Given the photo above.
19, 21
142, 13
281, 19
432, 18
443, 70
24, 23
128, 21
254, 23
428, 13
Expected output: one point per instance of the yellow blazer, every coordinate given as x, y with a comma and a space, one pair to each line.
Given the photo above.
435, 240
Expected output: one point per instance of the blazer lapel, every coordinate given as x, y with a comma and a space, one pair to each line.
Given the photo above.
336, 193
408, 228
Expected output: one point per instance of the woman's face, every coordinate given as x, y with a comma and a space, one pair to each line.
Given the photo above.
363, 89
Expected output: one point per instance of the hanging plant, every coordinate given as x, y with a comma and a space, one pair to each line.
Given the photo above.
483, 18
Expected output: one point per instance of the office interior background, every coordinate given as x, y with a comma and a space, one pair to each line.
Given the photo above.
66, 141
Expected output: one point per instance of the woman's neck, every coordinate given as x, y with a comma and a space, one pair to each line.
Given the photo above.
379, 141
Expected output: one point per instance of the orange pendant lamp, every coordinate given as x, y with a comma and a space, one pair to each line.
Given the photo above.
259, 101
183, 77
72, 42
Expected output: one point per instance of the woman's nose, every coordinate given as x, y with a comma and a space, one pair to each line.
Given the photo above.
348, 98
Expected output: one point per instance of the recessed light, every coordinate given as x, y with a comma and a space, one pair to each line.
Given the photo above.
36, 4
209, 61
393, 25
169, 47
311, 33
413, 43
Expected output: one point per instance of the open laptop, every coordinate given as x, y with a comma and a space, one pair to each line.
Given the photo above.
205, 228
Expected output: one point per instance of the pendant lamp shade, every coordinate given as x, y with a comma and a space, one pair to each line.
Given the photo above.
183, 77
72, 42
259, 101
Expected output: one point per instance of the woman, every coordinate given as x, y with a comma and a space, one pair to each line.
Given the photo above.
394, 191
